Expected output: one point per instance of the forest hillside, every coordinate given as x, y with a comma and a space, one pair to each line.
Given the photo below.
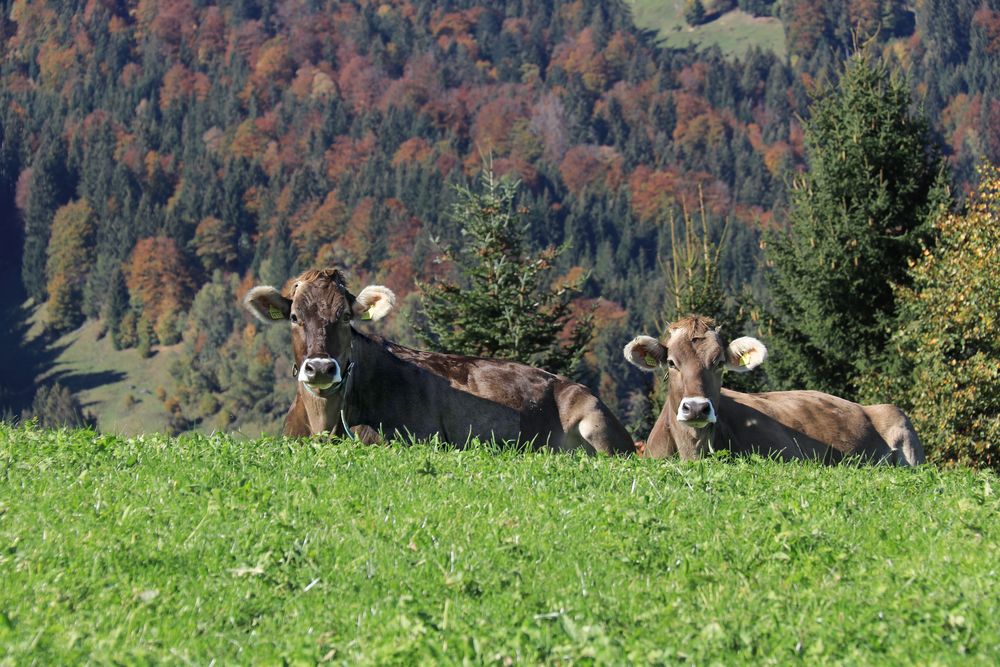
159, 157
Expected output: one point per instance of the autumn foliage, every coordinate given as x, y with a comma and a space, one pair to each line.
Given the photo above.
70, 257
948, 336
158, 278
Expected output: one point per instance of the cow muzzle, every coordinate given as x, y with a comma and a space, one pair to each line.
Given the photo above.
696, 412
320, 372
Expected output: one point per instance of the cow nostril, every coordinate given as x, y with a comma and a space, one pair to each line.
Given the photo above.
685, 408
309, 368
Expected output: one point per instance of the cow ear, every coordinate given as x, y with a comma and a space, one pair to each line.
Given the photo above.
646, 353
745, 354
266, 304
374, 302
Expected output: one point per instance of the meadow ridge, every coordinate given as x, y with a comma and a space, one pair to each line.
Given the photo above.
734, 31
210, 548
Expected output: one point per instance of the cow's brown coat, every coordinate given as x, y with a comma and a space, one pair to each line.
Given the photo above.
787, 424
395, 389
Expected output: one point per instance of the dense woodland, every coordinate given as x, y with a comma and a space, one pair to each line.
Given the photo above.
159, 157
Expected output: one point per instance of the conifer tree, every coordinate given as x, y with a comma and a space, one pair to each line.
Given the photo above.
55, 406
116, 307
503, 306
693, 283
146, 337
49, 190
694, 12
856, 218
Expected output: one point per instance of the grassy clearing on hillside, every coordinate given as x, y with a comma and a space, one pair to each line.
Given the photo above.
118, 387
104, 378
208, 547
734, 32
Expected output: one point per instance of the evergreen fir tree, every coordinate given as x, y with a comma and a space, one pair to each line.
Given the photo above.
56, 406
146, 337
856, 218
694, 12
280, 265
116, 307
49, 190
503, 307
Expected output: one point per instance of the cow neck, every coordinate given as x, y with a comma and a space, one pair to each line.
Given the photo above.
354, 403
690, 442
325, 408
372, 398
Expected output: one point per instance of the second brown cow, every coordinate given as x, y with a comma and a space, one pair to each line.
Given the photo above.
700, 415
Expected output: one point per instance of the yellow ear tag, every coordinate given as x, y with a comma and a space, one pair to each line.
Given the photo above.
275, 313
367, 315
745, 358
650, 361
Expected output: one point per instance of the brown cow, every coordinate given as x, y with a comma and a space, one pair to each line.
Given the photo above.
347, 378
700, 416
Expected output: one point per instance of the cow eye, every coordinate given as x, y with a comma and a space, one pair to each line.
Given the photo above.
671, 364
294, 318
347, 316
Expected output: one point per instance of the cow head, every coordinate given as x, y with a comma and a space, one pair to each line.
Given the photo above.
320, 310
695, 357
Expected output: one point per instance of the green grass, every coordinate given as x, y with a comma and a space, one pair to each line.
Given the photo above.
204, 548
734, 32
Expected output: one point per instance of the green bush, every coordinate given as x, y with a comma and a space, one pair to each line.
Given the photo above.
948, 337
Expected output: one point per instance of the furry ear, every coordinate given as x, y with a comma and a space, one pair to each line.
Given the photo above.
266, 304
646, 353
374, 302
745, 354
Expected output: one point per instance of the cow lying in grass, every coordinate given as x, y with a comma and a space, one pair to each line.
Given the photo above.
348, 380
700, 416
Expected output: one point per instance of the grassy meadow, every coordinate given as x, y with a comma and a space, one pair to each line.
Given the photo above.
733, 32
209, 548
117, 386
